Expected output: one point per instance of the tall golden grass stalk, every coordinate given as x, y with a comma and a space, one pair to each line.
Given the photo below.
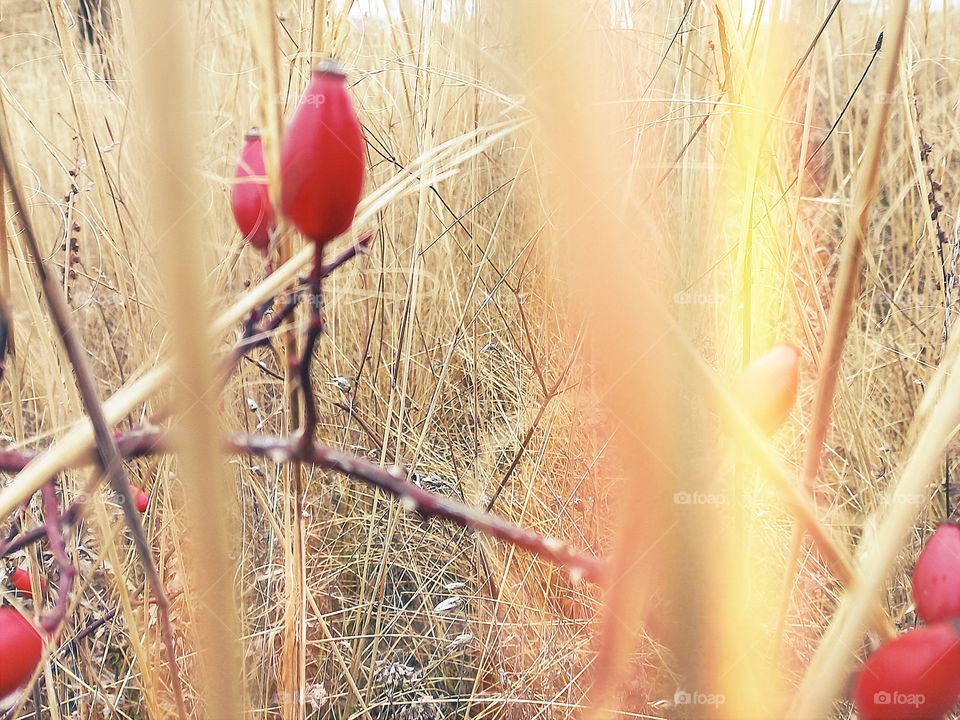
208, 528
605, 262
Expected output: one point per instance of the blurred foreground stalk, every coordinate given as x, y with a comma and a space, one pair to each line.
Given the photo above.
609, 250
163, 61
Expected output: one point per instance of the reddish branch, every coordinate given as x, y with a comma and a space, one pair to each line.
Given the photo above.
426, 504
393, 481
28, 537
95, 625
303, 365
68, 573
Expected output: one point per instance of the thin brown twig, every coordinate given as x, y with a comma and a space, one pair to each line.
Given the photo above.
548, 397
95, 625
28, 537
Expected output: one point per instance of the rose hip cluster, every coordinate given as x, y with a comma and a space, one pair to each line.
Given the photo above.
322, 165
917, 675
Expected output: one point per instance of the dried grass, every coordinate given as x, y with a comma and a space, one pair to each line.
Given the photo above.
445, 342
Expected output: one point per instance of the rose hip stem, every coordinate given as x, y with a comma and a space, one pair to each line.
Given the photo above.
314, 331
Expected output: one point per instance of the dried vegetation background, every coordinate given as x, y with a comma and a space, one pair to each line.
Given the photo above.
453, 349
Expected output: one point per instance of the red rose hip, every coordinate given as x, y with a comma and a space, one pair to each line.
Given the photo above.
323, 158
20, 650
916, 675
767, 388
936, 576
250, 197
140, 498
21, 581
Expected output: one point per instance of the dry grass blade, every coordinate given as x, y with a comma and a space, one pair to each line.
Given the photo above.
841, 312
640, 387
263, 31
825, 674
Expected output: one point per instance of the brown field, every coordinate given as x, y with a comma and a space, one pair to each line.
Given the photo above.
587, 219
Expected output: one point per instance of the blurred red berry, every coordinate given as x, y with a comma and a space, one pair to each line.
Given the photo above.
916, 675
936, 576
250, 198
21, 581
140, 498
323, 158
20, 650
767, 388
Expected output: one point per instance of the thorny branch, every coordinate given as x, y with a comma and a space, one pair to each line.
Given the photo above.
259, 327
394, 481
